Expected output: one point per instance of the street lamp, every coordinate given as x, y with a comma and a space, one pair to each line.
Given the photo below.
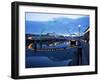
79, 61
79, 28
79, 34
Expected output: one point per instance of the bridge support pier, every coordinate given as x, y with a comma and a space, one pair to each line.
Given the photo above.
79, 56
35, 46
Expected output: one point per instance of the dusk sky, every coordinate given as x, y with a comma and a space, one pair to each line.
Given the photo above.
61, 24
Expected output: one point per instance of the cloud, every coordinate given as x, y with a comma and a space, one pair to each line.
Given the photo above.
49, 17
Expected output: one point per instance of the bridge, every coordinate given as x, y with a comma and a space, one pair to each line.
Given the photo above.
30, 42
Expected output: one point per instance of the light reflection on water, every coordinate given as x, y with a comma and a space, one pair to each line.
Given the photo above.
50, 58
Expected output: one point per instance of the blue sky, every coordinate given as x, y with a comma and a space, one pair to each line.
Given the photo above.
62, 24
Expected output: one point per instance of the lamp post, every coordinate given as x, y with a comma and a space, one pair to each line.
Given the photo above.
79, 34
79, 28
79, 61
